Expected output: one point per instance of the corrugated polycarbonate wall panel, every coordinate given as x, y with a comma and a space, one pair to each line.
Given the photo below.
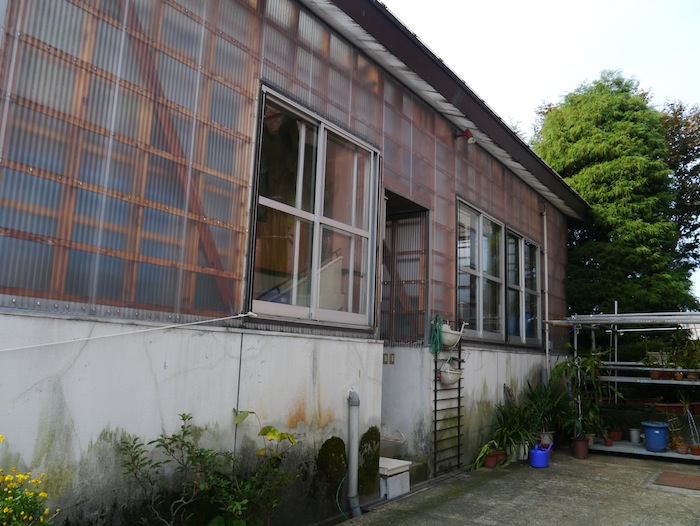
126, 145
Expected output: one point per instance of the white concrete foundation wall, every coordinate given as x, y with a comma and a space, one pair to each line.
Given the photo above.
408, 392
60, 402
407, 396
486, 373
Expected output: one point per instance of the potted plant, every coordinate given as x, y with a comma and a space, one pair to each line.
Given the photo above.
691, 362
547, 408
678, 443
512, 433
490, 455
607, 440
653, 359
614, 425
581, 374
513, 429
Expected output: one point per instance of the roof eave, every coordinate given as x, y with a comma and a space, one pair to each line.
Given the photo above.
369, 25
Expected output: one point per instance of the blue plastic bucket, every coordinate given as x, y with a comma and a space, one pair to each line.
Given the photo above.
539, 456
655, 435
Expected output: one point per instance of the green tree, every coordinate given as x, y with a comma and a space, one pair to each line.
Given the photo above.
681, 126
607, 141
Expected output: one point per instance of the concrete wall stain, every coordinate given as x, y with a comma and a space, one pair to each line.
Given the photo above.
297, 415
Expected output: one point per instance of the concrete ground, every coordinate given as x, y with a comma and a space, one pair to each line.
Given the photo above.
601, 490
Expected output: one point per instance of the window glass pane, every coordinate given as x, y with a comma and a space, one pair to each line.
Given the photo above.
286, 171
346, 169
513, 260
282, 258
467, 298
492, 248
531, 318
362, 189
336, 266
358, 278
530, 265
492, 306
513, 312
467, 241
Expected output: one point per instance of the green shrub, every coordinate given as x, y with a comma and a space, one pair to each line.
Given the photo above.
185, 484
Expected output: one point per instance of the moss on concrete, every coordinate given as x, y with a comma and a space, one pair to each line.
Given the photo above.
368, 476
331, 467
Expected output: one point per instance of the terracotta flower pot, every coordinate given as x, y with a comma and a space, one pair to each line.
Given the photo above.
655, 375
682, 449
616, 435
494, 458
608, 441
694, 449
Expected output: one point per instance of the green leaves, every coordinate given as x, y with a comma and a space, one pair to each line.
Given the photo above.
609, 144
186, 484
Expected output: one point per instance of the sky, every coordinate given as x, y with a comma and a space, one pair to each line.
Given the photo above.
517, 55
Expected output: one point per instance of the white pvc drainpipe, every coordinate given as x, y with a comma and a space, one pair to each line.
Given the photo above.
353, 452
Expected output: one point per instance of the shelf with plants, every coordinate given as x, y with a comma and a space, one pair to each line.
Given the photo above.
665, 346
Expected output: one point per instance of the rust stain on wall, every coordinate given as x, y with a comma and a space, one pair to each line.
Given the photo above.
325, 416
298, 413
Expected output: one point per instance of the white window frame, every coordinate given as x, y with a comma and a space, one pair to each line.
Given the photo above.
482, 276
523, 290
321, 223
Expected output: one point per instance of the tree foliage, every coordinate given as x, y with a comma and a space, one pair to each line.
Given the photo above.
608, 142
681, 126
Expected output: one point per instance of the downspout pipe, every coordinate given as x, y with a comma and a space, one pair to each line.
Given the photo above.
353, 452
546, 289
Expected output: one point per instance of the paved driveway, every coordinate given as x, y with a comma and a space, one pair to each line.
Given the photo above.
602, 490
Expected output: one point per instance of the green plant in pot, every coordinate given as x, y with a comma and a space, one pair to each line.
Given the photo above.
512, 429
547, 409
491, 454
511, 432
581, 373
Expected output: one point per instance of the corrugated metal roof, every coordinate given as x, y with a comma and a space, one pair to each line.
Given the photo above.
370, 26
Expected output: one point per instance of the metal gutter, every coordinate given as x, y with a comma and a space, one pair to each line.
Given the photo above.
370, 26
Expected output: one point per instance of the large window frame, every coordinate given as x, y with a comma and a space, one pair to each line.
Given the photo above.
498, 280
523, 298
480, 273
322, 266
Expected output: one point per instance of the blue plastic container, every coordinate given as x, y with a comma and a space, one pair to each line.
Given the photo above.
539, 456
655, 435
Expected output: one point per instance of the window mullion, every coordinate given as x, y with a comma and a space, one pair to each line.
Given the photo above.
353, 207
295, 264
351, 273
521, 290
298, 203
480, 275
317, 227
300, 165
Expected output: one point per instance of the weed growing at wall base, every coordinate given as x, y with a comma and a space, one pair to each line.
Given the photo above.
185, 484
21, 500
